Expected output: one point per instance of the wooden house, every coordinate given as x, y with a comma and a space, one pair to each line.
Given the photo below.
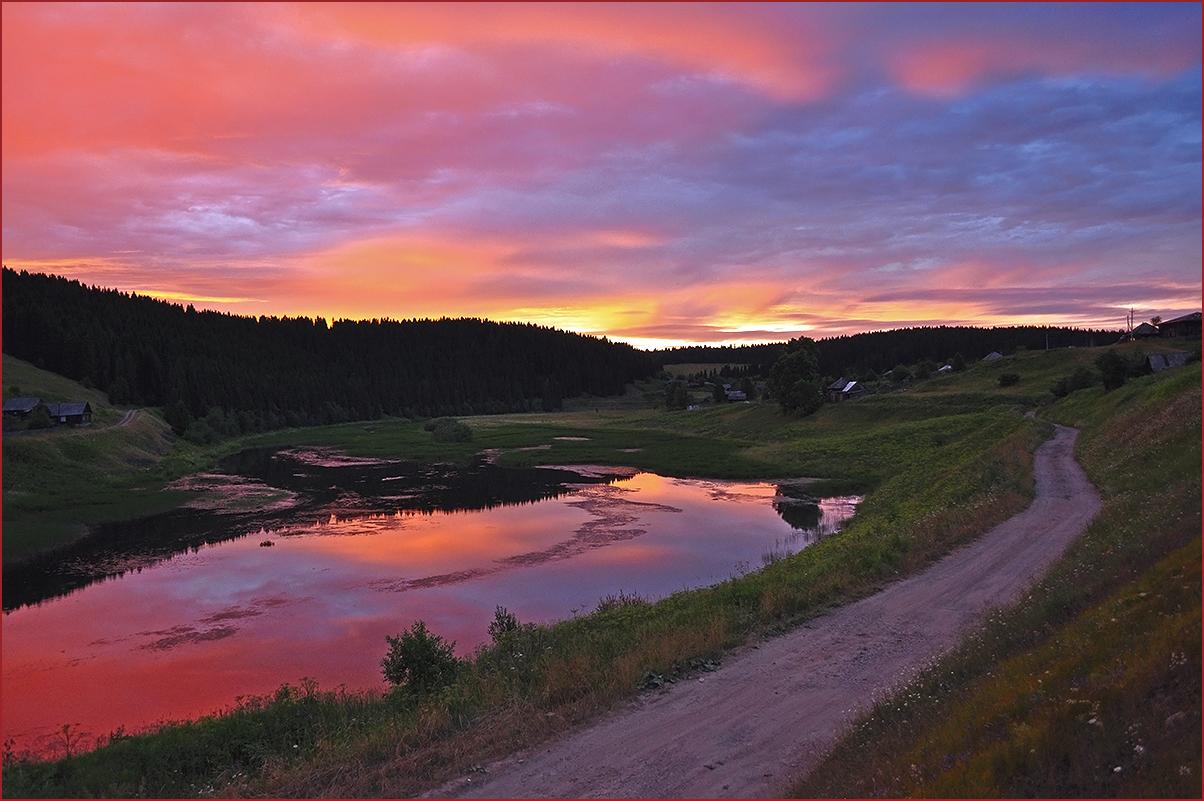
1143, 331
1186, 326
20, 407
843, 390
72, 414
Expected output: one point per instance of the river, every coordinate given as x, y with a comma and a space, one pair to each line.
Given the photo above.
297, 563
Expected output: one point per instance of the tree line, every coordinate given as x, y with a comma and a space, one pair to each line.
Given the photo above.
243, 374
859, 356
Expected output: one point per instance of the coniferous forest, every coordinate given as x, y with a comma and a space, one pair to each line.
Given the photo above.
242, 374
875, 352
253, 374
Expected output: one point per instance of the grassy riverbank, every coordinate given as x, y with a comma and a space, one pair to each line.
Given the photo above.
58, 480
1091, 686
946, 460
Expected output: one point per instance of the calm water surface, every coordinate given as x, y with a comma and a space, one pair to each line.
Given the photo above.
170, 637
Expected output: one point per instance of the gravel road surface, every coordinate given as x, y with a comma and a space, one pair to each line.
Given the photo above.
772, 710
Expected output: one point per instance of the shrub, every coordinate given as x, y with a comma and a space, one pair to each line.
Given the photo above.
1009, 379
420, 661
448, 429
39, 417
1113, 368
504, 621
1081, 378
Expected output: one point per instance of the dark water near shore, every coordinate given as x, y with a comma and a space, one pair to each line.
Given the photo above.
298, 563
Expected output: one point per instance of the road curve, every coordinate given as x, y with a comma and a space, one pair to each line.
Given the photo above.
126, 419
770, 712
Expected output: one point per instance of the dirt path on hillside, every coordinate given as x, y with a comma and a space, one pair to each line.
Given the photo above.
126, 419
771, 711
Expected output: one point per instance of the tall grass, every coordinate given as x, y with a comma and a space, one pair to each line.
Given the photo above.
1090, 687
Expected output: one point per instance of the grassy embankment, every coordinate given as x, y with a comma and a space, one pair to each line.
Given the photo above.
57, 480
948, 459
1091, 686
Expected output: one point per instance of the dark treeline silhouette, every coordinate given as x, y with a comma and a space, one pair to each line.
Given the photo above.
879, 351
249, 374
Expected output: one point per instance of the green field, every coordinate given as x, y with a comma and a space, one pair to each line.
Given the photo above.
942, 461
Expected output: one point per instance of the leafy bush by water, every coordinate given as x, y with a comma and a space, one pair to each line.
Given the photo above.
419, 661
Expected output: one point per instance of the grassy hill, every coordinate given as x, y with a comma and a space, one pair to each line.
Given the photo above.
945, 459
57, 480
1091, 686
22, 380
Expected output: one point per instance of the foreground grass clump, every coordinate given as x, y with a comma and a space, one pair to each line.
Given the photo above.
535, 681
1090, 687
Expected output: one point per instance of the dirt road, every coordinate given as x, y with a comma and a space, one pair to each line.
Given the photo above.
126, 419
769, 713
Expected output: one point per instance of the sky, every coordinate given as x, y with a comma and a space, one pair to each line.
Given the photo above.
656, 174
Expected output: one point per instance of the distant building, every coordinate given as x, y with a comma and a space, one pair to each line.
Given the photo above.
842, 390
992, 356
736, 395
20, 407
1186, 326
74, 414
1143, 331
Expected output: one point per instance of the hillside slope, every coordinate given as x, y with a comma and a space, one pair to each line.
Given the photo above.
1091, 686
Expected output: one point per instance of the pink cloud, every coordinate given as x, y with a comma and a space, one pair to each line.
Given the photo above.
723, 171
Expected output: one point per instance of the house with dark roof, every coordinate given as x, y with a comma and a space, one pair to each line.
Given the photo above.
20, 407
1186, 326
73, 414
1143, 331
843, 390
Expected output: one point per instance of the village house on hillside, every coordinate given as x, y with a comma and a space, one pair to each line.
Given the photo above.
1143, 331
1186, 326
841, 389
20, 407
73, 414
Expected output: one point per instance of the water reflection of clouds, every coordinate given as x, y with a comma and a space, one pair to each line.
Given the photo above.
237, 619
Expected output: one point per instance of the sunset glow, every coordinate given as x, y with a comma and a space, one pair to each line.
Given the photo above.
654, 173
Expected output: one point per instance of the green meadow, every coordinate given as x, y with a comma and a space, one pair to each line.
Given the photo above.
1048, 699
